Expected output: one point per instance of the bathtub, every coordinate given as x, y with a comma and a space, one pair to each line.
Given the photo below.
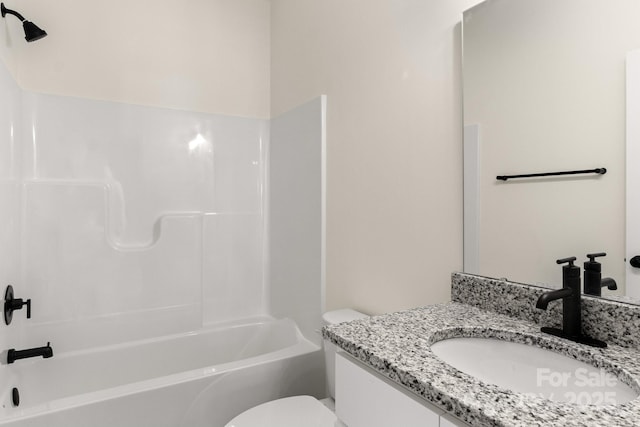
202, 378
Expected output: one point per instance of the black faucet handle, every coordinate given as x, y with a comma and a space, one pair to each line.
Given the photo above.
570, 273
18, 303
592, 257
565, 260
11, 304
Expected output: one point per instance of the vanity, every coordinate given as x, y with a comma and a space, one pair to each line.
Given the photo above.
388, 373
368, 399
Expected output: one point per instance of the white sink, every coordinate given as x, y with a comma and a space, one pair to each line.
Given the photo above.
534, 371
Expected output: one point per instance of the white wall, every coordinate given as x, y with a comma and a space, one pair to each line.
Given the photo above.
394, 153
211, 56
545, 82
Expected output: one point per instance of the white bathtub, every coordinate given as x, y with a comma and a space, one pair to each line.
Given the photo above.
203, 378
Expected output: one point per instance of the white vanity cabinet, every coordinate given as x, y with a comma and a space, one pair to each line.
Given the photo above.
365, 398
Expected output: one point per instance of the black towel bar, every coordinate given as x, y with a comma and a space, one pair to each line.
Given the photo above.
599, 171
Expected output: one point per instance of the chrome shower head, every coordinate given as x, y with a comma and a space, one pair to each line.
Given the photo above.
31, 31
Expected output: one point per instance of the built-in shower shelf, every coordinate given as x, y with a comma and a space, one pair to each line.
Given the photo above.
90, 198
69, 257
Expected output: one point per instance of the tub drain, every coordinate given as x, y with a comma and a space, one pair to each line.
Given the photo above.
15, 396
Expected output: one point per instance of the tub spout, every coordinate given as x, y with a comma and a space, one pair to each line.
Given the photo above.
13, 354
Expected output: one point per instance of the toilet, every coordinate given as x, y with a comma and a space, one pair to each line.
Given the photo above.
299, 411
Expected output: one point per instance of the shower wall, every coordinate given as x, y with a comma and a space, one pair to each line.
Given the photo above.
297, 206
10, 174
123, 222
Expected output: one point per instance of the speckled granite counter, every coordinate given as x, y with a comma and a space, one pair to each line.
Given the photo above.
610, 321
397, 345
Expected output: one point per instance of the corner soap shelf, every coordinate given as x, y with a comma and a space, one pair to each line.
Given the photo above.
94, 198
66, 246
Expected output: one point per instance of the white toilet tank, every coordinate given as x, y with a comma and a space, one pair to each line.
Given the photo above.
333, 318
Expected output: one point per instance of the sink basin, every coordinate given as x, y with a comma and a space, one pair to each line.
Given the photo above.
533, 371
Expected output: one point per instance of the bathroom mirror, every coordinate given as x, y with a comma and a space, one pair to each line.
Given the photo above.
544, 91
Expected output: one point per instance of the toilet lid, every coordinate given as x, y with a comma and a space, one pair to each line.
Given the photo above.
294, 411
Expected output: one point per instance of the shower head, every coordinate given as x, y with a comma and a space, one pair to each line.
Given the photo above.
31, 31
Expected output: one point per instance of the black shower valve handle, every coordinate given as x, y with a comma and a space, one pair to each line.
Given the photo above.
11, 304
18, 303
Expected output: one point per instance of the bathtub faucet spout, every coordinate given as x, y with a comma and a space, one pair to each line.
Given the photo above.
13, 354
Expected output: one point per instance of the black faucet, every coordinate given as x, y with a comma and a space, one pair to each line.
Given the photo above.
13, 354
593, 281
571, 306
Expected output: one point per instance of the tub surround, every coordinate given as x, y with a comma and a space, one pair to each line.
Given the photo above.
110, 204
397, 345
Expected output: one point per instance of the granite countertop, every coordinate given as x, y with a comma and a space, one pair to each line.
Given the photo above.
397, 345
